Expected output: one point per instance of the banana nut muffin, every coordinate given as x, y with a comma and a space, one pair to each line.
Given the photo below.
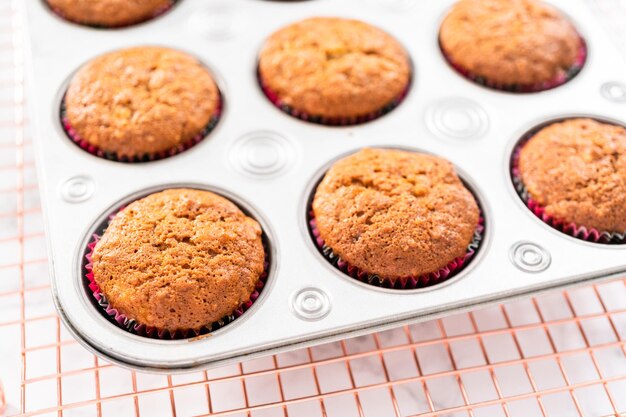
109, 13
178, 260
523, 45
141, 101
576, 170
395, 213
335, 70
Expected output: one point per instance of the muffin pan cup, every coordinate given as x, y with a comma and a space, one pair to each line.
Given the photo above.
156, 14
133, 326
269, 163
582, 232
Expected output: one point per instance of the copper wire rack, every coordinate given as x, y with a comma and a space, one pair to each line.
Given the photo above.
560, 354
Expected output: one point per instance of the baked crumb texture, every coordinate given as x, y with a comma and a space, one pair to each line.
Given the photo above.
572, 175
512, 45
109, 13
395, 219
334, 71
177, 263
141, 104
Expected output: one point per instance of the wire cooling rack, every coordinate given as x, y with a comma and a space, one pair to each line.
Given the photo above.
562, 354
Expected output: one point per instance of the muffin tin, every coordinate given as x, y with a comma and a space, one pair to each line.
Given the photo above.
270, 163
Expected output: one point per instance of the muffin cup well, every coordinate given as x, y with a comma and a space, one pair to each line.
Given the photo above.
274, 98
112, 156
407, 283
156, 14
571, 73
588, 234
132, 326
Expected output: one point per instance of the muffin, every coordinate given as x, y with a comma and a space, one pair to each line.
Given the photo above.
141, 103
574, 173
389, 215
178, 261
513, 45
109, 13
334, 71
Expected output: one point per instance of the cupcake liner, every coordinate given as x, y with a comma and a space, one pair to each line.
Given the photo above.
132, 326
407, 283
156, 14
330, 121
588, 234
524, 88
112, 156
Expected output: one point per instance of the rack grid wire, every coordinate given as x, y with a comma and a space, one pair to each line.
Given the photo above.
560, 354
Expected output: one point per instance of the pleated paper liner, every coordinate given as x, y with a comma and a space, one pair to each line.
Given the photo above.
407, 283
331, 121
139, 329
588, 234
560, 80
156, 14
112, 156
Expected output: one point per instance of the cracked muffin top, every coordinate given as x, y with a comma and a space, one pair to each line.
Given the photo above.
334, 68
141, 101
576, 170
111, 13
510, 42
395, 213
179, 259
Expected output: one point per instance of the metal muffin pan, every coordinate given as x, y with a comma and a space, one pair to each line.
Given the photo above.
271, 161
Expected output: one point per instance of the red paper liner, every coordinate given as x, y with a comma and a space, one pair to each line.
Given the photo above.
407, 283
588, 234
112, 156
524, 88
156, 14
132, 326
330, 121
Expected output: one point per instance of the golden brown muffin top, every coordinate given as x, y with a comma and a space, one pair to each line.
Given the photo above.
179, 259
510, 42
336, 68
576, 169
141, 100
109, 12
395, 213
